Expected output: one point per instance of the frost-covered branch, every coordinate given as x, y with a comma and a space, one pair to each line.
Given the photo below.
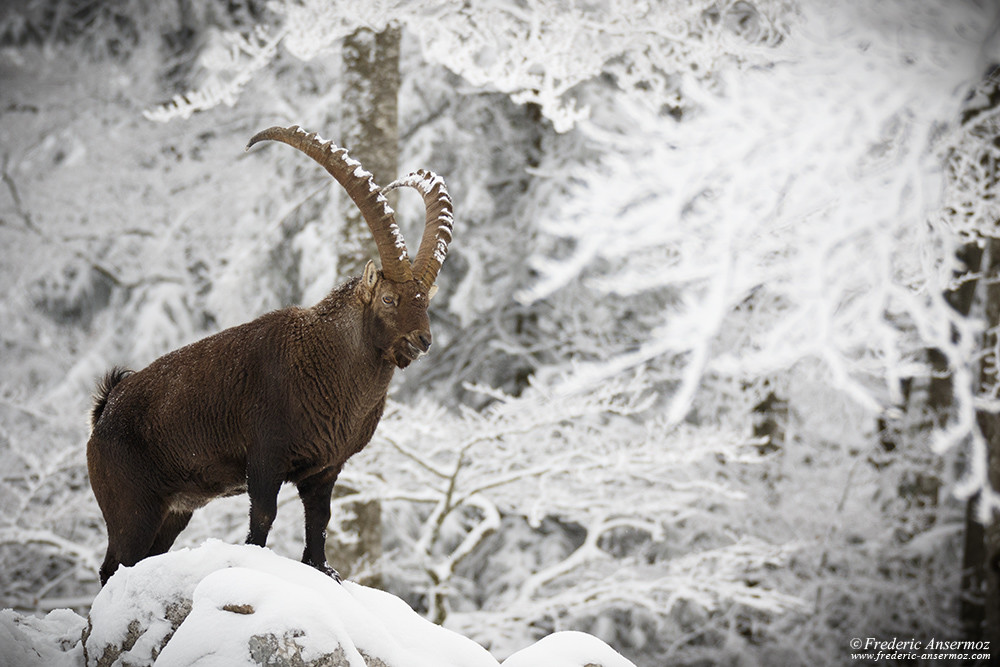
229, 63
782, 240
536, 52
61, 546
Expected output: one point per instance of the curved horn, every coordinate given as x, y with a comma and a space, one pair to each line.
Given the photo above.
361, 188
437, 225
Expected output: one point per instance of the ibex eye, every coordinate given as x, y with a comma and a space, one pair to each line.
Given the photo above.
387, 300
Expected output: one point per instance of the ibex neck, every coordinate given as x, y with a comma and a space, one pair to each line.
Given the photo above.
343, 342
340, 302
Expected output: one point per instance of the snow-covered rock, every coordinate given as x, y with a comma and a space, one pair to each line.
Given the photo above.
224, 605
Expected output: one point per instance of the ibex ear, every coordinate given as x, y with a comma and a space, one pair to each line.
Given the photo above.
432, 291
369, 277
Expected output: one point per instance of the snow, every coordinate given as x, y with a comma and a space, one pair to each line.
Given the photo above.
440, 251
567, 649
51, 641
214, 605
397, 236
418, 636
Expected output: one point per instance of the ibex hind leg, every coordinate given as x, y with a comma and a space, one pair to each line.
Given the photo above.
132, 512
131, 538
263, 484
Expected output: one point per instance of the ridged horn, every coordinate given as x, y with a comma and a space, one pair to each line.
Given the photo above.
360, 187
437, 224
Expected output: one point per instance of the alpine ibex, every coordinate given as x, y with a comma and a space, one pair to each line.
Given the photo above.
288, 397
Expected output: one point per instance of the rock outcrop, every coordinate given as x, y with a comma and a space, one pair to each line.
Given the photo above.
223, 604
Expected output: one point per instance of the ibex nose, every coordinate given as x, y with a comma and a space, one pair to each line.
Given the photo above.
425, 339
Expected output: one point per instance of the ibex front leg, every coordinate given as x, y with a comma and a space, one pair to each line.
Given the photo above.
315, 493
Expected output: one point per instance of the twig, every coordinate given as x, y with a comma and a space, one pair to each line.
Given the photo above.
16, 196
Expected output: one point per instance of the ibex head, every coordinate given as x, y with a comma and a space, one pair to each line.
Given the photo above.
398, 295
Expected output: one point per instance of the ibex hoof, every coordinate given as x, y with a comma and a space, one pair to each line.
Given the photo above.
330, 572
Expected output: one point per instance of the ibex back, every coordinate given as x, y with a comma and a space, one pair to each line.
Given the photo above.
288, 397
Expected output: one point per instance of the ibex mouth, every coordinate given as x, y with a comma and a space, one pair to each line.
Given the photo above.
409, 348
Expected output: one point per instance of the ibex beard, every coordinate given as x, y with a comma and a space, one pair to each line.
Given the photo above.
288, 397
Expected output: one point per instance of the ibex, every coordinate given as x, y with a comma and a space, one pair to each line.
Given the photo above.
288, 397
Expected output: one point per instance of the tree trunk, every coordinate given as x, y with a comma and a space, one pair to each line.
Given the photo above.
973, 550
989, 424
369, 128
370, 131
980, 604
356, 552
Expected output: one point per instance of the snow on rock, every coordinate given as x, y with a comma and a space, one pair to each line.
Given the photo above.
51, 641
221, 605
568, 649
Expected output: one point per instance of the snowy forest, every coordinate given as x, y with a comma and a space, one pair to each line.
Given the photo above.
714, 374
